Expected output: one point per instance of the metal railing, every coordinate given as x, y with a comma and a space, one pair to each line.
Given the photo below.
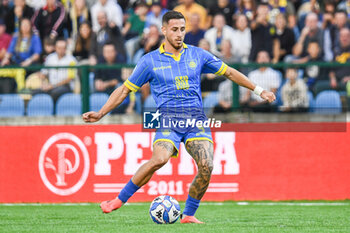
86, 69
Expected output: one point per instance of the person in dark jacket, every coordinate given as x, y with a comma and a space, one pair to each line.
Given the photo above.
19, 11
49, 20
108, 32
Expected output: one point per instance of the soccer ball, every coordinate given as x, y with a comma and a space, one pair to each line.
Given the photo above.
164, 210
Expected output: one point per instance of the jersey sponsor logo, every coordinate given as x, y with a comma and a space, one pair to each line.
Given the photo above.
64, 164
162, 68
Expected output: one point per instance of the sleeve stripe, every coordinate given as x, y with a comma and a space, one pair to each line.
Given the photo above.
222, 69
131, 86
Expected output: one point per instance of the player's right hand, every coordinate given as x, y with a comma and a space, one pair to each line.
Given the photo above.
90, 117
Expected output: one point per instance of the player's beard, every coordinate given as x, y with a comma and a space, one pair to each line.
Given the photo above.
174, 44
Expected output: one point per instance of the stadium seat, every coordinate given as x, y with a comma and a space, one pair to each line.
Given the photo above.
328, 102
210, 101
11, 105
150, 103
68, 105
40, 105
97, 100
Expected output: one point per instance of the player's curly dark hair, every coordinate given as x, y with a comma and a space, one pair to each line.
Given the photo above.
172, 15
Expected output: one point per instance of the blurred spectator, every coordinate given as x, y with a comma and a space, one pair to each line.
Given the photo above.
219, 32
36, 4
286, 38
25, 47
107, 79
19, 11
4, 9
149, 42
224, 7
226, 53
305, 9
311, 32
154, 17
190, 7
292, 24
107, 33
327, 25
340, 21
345, 6
196, 34
49, 47
113, 10
280, 7
133, 30
83, 42
265, 77
225, 97
209, 82
339, 76
61, 80
7, 84
242, 39
49, 20
78, 14
5, 39
136, 22
204, 44
263, 33
313, 73
294, 93
247, 8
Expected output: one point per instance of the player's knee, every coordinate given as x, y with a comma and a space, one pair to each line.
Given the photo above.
158, 162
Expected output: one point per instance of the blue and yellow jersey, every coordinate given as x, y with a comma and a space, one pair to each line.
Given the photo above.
175, 80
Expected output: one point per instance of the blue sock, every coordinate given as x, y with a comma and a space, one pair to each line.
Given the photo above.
129, 189
191, 206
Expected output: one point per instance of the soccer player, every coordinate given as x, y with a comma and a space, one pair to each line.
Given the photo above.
173, 72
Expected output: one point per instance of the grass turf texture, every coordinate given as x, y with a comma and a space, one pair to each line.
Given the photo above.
219, 217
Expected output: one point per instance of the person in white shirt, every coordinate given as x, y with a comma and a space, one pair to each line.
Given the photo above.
294, 93
242, 39
60, 80
266, 77
218, 33
113, 10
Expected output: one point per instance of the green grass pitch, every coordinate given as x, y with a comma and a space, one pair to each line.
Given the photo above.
219, 217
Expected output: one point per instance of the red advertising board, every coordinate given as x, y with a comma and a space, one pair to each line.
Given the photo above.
90, 163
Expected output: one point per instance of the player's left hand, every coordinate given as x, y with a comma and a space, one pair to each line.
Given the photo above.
268, 96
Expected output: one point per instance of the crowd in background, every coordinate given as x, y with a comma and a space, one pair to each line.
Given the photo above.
73, 32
